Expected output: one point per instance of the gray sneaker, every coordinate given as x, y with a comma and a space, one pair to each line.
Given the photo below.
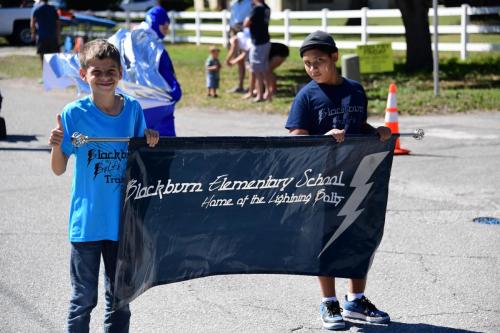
331, 315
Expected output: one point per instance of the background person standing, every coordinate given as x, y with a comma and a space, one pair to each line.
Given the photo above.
240, 9
45, 28
212, 67
258, 22
238, 54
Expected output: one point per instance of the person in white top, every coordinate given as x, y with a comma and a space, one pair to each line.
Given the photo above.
240, 9
239, 46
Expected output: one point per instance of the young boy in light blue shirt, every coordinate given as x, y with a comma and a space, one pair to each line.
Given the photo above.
97, 180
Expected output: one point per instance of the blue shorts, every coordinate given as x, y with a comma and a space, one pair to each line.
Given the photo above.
212, 81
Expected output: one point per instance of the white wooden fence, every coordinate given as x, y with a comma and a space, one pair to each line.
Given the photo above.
287, 30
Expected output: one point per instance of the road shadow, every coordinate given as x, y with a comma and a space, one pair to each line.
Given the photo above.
25, 149
398, 327
20, 138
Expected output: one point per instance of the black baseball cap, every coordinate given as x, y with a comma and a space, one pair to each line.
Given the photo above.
318, 40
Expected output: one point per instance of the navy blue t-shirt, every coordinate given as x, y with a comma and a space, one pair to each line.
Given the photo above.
259, 29
46, 20
319, 108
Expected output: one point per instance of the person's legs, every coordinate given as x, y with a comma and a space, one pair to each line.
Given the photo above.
259, 84
330, 308
235, 52
208, 81
259, 62
47, 45
114, 320
241, 77
327, 285
267, 85
216, 85
271, 79
356, 286
357, 306
274, 63
84, 270
241, 74
211, 83
40, 50
266, 94
251, 85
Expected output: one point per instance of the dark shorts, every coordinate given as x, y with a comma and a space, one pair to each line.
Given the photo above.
47, 45
280, 50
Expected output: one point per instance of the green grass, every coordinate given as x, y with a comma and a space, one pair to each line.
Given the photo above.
465, 85
20, 67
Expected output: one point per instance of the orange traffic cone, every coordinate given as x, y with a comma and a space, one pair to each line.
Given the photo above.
391, 118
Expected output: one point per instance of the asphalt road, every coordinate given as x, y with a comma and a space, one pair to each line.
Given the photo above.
435, 271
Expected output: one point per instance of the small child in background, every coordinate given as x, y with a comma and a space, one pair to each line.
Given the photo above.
212, 66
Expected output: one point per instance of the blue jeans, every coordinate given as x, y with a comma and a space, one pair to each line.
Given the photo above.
85, 261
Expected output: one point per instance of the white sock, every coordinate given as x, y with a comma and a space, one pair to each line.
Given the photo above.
354, 296
330, 299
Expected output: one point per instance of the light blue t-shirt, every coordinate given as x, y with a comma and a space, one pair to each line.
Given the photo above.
240, 9
99, 170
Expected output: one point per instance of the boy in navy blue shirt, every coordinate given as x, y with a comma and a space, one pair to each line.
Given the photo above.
333, 105
98, 179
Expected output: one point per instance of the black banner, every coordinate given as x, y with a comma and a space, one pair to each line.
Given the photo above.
197, 207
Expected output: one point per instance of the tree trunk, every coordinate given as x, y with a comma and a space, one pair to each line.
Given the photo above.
418, 37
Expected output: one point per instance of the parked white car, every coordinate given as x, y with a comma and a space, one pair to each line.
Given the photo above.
137, 5
15, 21
15, 25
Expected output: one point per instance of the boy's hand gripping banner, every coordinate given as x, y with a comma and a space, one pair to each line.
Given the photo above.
197, 207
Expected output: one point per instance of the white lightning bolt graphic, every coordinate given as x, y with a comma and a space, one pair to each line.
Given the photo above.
365, 170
